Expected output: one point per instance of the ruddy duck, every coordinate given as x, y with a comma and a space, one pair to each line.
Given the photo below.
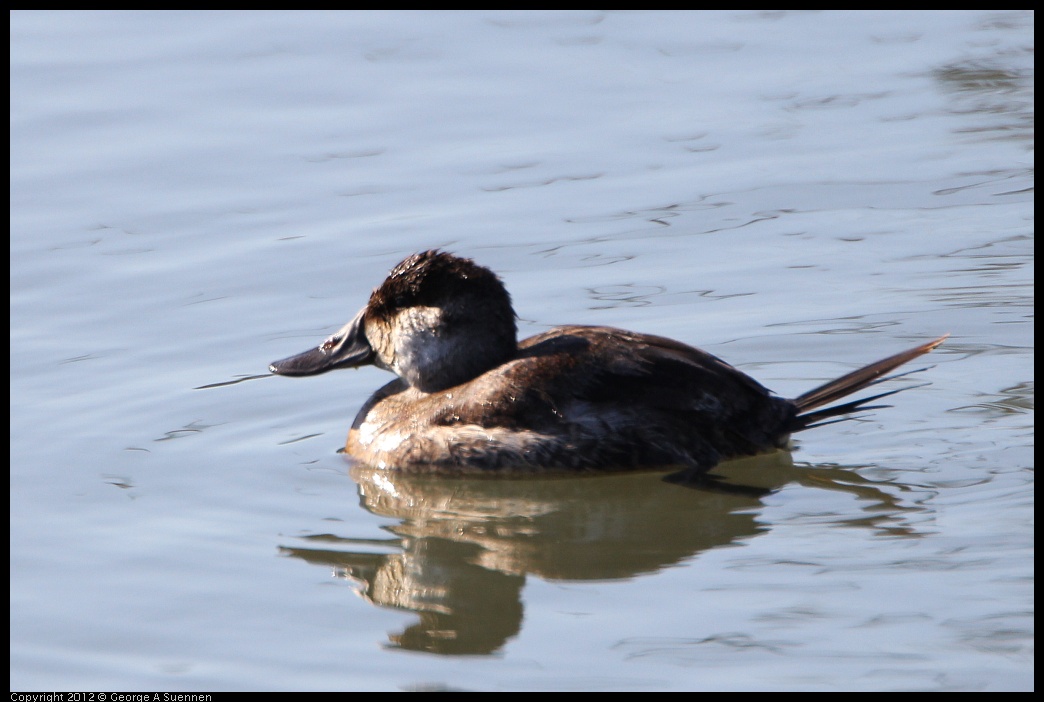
470, 397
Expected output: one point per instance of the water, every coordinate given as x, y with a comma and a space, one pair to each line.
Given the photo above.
195, 194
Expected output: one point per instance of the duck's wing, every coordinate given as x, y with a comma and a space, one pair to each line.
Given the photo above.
642, 399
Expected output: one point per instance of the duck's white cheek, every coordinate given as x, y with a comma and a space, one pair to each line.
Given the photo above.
415, 353
418, 347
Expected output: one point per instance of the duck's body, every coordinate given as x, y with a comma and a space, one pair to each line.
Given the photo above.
471, 398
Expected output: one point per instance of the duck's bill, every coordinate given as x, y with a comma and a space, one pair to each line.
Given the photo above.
348, 348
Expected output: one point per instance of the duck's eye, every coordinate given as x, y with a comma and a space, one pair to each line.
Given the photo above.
400, 301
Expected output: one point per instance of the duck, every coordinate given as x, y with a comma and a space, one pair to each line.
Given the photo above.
468, 397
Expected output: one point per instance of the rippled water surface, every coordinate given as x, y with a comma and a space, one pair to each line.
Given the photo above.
195, 194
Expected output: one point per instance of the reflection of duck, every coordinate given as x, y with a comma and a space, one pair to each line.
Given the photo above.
561, 528
464, 546
463, 608
470, 397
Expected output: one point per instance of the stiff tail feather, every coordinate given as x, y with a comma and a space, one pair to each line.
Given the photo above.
853, 382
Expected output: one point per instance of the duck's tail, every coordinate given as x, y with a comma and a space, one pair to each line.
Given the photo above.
853, 382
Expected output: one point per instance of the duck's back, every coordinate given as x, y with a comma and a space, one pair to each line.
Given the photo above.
578, 397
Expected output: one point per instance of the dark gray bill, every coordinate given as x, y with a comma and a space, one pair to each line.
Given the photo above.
348, 348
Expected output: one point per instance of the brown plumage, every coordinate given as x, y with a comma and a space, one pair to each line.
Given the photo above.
471, 398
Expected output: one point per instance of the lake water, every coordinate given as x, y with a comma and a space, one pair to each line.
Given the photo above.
196, 194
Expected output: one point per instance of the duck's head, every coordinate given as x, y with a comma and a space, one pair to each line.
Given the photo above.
436, 321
